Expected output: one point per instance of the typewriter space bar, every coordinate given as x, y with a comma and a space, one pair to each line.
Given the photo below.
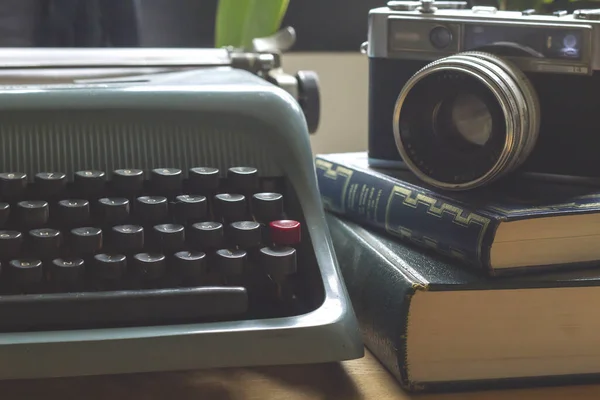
121, 308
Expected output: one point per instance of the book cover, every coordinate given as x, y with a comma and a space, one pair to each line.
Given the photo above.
472, 226
438, 327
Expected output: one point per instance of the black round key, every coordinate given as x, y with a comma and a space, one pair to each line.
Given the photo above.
190, 265
169, 237
32, 213
278, 262
45, 242
243, 179
245, 234
10, 244
205, 235
128, 182
166, 180
66, 272
267, 206
203, 180
73, 212
4, 213
109, 266
85, 240
90, 182
25, 272
113, 210
12, 184
50, 184
230, 262
148, 266
190, 207
150, 209
230, 207
128, 238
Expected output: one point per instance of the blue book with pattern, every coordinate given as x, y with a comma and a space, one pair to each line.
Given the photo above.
512, 226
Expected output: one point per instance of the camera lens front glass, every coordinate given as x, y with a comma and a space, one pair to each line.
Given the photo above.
452, 127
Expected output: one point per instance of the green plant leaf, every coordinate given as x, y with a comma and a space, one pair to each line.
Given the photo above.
240, 21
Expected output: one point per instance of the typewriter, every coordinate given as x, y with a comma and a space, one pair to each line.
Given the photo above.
159, 211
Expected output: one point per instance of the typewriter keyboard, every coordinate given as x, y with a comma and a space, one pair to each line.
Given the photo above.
126, 247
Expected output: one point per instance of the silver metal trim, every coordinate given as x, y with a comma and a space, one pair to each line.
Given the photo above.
113, 57
378, 36
512, 91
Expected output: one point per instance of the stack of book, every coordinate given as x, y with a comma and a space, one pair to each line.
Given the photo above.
491, 288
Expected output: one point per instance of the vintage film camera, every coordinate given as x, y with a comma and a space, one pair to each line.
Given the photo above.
462, 96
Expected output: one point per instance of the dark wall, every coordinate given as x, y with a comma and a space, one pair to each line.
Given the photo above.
321, 25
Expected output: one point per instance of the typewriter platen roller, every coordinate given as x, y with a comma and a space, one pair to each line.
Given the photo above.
160, 215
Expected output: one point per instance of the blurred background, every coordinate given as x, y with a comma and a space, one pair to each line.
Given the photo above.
329, 32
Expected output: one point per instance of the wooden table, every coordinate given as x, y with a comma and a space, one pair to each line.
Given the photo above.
352, 380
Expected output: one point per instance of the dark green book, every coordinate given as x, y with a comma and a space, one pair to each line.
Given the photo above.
438, 326
513, 226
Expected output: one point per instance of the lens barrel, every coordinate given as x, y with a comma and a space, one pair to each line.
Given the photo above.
463, 121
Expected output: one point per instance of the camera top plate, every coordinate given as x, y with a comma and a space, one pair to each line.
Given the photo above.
428, 30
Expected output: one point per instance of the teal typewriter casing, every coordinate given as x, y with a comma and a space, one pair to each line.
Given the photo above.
202, 116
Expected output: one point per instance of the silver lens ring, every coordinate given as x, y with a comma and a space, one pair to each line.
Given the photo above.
512, 91
531, 99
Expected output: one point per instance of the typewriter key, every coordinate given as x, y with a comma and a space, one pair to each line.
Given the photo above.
242, 179
50, 184
113, 210
285, 232
191, 266
148, 266
12, 184
73, 212
90, 183
229, 207
205, 235
25, 273
10, 244
230, 263
169, 237
127, 238
45, 242
32, 213
109, 266
203, 180
190, 208
85, 241
151, 209
66, 273
278, 261
128, 182
267, 207
166, 180
245, 234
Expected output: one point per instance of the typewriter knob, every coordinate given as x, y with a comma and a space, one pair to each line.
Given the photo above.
309, 98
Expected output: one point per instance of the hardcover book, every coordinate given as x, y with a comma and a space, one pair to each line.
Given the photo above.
437, 326
511, 226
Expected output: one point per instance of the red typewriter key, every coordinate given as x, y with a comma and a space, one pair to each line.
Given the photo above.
285, 232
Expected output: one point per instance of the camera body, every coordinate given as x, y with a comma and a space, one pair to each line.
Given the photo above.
462, 96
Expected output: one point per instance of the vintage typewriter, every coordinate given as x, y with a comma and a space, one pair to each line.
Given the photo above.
159, 211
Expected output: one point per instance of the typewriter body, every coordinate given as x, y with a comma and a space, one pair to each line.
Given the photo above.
160, 212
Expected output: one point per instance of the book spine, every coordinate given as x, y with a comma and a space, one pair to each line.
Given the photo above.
380, 293
403, 211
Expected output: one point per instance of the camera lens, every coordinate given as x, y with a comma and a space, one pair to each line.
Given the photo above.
465, 120
440, 37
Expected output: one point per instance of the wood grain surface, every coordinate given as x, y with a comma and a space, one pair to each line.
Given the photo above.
351, 380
